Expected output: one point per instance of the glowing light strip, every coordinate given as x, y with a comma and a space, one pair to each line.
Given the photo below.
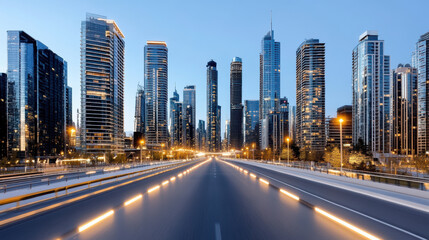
153, 189
346, 224
290, 194
165, 182
95, 221
173, 178
133, 200
245, 171
180, 175
252, 175
264, 181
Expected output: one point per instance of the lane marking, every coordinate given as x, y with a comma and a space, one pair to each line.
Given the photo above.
133, 200
346, 208
346, 224
218, 234
95, 221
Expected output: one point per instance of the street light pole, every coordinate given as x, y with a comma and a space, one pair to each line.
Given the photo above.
253, 151
288, 150
141, 151
341, 145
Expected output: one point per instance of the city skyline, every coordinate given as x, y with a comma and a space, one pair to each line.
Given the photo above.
66, 44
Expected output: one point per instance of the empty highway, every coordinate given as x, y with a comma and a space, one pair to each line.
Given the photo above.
216, 199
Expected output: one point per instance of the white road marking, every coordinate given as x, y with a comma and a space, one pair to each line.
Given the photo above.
218, 235
349, 209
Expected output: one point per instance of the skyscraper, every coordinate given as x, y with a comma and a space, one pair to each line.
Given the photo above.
69, 107
310, 95
37, 81
177, 128
292, 123
201, 135
102, 85
284, 119
404, 110
333, 128
213, 119
236, 105
371, 96
139, 121
189, 107
251, 114
156, 90
172, 118
421, 62
3, 116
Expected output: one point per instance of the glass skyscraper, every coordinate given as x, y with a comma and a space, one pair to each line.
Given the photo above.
404, 110
37, 82
189, 107
310, 95
139, 127
3, 116
251, 114
421, 62
201, 135
102, 85
236, 105
371, 93
213, 119
156, 91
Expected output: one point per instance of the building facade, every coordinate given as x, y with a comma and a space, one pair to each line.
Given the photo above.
403, 112
310, 95
371, 93
3, 117
421, 63
251, 114
201, 135
213, 119
102, 86
177, 128
333, 128
156, 92
236, 105
139, 127
36, 98
189, 118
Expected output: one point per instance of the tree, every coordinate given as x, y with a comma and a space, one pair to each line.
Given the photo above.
333, 157
421, 163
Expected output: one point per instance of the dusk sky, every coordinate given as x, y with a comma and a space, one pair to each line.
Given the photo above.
197, 31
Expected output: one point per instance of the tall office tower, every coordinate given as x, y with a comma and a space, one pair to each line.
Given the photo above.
189, 107
404, 110
310, 95
218, 127
37, 80
333, 128
213, 120
177, 128
201, 135
156, 90
421, 62
139, 126
173, 99
292, 124
269, 67
236, 105
227, 136
371, 96
70, 129
102, 85
3, 115
284, 119
251, 115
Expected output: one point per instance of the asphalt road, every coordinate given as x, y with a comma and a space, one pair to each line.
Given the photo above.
213, 201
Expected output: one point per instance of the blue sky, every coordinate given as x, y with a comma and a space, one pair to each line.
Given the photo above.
197, 31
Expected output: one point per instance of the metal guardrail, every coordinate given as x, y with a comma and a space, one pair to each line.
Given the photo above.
398, 180
55, 191
48, 179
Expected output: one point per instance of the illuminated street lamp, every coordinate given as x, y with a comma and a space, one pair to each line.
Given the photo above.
162, 148
253, 150
288, 150
341, 144
141, 151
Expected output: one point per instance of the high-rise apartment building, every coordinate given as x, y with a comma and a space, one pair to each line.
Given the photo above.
156, 92
403, 122
177, 113
189, 110
251, 114
236, 105
139, 121
284, 119
310, 95
371, 93
102, 85
421, 63
36, 98
201, 135
213, 118
3, 116
172, 123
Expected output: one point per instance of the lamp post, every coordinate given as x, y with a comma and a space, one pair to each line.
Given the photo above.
288, 150
341, 144
253, 151
162, 149
141, 151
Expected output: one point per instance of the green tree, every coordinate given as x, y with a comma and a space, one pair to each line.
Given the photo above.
333, 157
